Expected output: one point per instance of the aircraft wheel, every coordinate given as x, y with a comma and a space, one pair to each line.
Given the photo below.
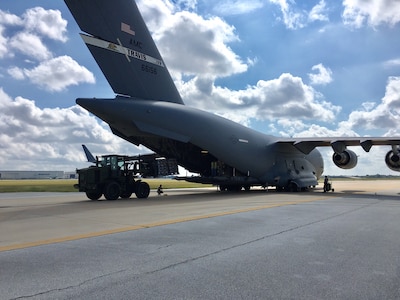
112, 191
94, 195
142, 190
293, 187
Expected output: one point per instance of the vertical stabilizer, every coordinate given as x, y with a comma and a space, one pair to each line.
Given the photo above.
89, 155
122, 46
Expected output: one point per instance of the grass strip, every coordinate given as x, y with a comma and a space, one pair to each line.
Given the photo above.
67, 185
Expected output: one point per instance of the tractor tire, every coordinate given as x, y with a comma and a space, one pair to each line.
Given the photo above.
234, 188
126, 195
142, 190
112, 191
93, 195
223, 188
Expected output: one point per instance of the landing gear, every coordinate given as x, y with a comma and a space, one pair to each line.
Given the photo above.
233, 188
293, 187
290, 187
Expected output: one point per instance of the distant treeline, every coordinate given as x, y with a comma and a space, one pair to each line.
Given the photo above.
377, 176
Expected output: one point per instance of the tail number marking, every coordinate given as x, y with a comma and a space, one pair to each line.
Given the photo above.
89, 40
149, 69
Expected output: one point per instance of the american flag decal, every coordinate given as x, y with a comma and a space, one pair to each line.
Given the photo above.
127, 28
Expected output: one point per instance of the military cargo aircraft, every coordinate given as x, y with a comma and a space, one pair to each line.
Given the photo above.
149, 110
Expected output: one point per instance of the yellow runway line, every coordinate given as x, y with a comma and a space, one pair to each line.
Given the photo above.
142, 226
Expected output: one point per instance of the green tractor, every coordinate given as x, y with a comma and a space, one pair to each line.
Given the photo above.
112, 176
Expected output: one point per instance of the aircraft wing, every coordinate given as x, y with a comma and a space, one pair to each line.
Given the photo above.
306, 145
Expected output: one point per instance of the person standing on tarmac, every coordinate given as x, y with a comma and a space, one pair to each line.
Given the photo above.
326, 182
160, 190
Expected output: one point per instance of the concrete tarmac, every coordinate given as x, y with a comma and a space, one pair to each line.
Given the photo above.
203, 244
30, 219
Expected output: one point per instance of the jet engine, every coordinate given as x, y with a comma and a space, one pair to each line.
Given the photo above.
392, 160
345, 160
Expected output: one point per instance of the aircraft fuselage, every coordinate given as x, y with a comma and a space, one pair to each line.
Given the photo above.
248, 152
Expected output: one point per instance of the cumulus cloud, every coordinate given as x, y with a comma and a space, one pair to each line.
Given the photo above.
281, 98
9, 19
55, 74
318, 12
315, 130
30, 45
392, 63
27, 38
237, 7
3, 43
386, 115
291, 18
16, 73
383, 117
156, 13
48, 23
196, 50
371, 12
322, 77
54, 135
287, 97
296, 18
201, 43
59, 73
29, 31
186, 4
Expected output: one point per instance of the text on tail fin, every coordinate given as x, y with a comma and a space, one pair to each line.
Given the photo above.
124, 49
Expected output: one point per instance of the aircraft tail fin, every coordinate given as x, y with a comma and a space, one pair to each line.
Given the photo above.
89, 155
122, 46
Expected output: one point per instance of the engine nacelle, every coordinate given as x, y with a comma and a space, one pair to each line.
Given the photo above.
392, 160
345, 160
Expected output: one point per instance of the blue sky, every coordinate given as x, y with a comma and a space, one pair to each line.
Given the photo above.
287, 68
